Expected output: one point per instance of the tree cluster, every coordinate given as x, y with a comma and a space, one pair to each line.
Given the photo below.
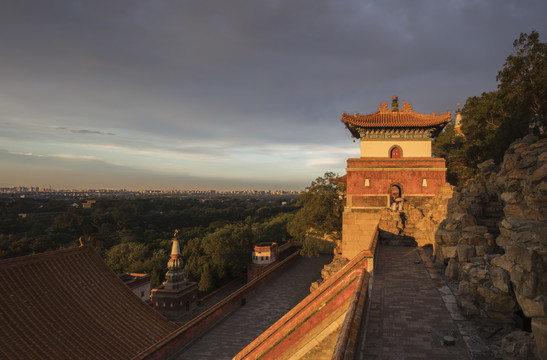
135, 235
216, 236
320, 215
492, 121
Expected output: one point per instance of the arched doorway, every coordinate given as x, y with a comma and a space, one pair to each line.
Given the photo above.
395, 196
395, 192
395, 152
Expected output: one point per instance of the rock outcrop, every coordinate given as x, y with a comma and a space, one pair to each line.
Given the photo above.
415, 226
494, 238
328, 270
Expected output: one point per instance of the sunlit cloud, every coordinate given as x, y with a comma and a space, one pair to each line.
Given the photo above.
324, 162
74, 157
25, 154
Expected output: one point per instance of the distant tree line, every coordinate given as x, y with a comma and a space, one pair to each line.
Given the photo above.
492, 121
216, 236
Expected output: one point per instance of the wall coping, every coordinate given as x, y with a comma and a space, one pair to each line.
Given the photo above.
357, 264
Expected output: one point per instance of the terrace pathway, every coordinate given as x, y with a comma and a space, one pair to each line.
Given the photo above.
412, 310
261, 310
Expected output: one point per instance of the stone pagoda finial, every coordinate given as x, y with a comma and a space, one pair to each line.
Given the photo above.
175, 275
175, 249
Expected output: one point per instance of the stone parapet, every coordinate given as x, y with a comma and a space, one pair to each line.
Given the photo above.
359, 232
348, 341
298, 331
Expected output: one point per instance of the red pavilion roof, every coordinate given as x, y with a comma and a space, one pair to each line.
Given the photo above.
392, 118
68, 304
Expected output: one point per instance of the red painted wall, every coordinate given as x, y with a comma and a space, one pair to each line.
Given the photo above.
409, 177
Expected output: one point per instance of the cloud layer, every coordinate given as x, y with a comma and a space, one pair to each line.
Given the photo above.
241, 90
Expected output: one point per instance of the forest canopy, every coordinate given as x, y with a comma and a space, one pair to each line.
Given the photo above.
216, 235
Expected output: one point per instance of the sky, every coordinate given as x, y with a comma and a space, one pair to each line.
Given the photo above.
182, 94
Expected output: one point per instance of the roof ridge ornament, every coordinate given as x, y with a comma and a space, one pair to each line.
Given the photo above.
407, 106
395, 104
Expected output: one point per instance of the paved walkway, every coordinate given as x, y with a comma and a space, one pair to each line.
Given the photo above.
264, 308
408, 317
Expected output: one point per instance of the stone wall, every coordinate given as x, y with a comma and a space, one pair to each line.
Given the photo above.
493, 239
415, 225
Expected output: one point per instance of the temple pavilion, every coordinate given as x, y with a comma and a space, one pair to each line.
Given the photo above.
395, 167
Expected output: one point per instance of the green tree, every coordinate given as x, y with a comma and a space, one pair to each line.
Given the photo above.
450, 147
127, 257
523, 79
492, 121
207, 281
320, 215
228, 250
483, 116
273, 229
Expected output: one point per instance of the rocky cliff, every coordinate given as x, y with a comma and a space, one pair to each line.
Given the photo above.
493, 240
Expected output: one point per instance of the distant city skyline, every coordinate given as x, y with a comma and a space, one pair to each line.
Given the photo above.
228, 95
37, 189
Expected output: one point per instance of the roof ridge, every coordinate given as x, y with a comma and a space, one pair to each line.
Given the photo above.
45, 255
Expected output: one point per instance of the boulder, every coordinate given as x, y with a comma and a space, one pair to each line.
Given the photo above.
465, 287
518, 345
447, 237
451, 270
495, 300
512, 197
482, 250
465, 253
532, 308
524, 257
539, 174
487, 166
467, 306
470, 238
514, 211
450, 224
449, 252
478, 274
539, 329
503, 262
500, 278
524, 283
476, 229
468, 220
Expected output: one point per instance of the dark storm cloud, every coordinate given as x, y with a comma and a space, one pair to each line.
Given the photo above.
232, 64
202, 74
83, 131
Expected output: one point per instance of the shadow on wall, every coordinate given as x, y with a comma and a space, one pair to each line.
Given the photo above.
391, 239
